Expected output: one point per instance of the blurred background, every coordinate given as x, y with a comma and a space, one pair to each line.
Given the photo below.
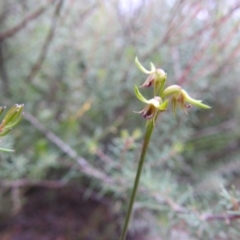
76, 150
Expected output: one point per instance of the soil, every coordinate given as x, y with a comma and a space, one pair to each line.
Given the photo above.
61, 214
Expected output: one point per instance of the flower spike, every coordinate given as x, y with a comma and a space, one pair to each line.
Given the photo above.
178, 96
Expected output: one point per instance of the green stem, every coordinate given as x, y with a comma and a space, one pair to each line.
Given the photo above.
137, 178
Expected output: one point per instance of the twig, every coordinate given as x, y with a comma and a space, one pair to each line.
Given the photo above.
211, 65
55, 184
202, 50
84, 166
224, 126
202, 216
4, 73
221, 216
170, 27
45, 47
176, 207
176, 61
213, 25
33, 183
24, 22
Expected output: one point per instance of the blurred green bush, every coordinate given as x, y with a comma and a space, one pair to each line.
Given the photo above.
72, 64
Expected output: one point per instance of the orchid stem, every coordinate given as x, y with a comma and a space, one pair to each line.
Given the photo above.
137, 178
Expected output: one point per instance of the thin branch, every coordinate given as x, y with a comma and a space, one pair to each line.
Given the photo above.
201, 52
32, 183
4, 73
210, 131
85, 167
43, 53
55, 184
211, 65
176, 207
24, 22
176, 61
170, 27
213, 25
228, 217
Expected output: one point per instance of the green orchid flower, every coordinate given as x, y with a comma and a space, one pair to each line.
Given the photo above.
180, 98
156, 78
154, 106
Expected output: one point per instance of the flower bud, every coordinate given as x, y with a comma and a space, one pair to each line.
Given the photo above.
11, 119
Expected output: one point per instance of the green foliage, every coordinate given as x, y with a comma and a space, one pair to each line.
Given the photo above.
74, 71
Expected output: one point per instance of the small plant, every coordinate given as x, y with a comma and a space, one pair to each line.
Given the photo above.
178, 97
10, 120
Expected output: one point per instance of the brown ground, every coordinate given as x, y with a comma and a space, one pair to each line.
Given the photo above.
60, 214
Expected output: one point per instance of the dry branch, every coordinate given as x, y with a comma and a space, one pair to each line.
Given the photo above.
43, 53
85, 167
24, 22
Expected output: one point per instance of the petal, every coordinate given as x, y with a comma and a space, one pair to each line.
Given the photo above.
154, 102
148, 112
197, 103
161, 75
143, 69
161, 78
139, 95
171, 90
174, 105
149, 82
153, 69
201, 105
164, 105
